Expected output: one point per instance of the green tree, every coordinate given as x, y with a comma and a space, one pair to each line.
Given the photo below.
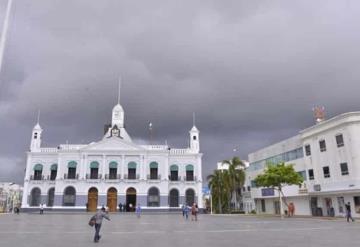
219, 186
277, 177
236, 178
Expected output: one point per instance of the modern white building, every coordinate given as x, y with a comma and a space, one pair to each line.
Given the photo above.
327, 155
112, 171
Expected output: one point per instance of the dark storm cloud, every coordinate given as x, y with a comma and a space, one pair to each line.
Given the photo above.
251, 70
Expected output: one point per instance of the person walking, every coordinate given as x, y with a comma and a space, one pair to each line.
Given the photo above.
41, 208
348, 212
138, 210
196, 211
120, 207
98, 217
186, 211
193, 212
183, 210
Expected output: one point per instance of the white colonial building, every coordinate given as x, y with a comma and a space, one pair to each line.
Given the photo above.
327, 155
112, 171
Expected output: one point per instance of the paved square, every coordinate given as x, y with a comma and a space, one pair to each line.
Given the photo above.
172, 230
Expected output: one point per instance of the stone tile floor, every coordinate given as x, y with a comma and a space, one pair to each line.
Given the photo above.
172, 230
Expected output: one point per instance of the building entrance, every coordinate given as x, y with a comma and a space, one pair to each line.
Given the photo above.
92, 199
130, 199
112, 199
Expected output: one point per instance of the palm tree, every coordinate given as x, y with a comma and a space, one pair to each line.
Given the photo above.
219, 186
236, 177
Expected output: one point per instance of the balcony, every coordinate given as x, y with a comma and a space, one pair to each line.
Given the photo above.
131, 176
71, 176
38, 177
112, 176
93, 176
154, 177
190, 178
174, 178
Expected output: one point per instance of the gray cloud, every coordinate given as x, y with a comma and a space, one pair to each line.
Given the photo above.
251, 70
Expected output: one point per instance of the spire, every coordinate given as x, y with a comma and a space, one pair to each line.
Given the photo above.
194, 123
37, 125
119, 90
38, 117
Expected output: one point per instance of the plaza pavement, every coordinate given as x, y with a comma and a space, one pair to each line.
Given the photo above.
165, 230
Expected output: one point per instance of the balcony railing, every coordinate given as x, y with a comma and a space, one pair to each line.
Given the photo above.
173, 178
32, 177
93, 176
131, 176
112, 176
154, 177
190, 178
71, 176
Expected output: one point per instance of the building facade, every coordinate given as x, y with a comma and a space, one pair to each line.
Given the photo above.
112, 171
327, 156
10, 196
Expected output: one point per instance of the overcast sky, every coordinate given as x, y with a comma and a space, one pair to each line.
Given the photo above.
251, 70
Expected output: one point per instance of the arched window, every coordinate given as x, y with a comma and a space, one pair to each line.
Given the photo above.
189, 173
53, 171
153, 170
189, 197
71, 170
113, 169
38, 172
153, 197
174, 173
174, 198
69, 196
132, 170
50, 199
94, 170
35, 197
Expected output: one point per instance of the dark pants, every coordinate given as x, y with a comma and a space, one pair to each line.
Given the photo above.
348, 216
97, 232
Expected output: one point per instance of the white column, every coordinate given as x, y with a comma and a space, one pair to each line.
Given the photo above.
142, 168
103, 166
26, 183
123, 166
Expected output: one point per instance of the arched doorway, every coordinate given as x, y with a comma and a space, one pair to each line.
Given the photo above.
190, 197
35, 197
69, 197
130, 199
51, 195
174, 198
92, 199
112, 199
153, 197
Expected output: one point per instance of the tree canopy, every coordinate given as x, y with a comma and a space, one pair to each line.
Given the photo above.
278, 176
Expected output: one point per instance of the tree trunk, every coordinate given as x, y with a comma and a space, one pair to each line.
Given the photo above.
281, 204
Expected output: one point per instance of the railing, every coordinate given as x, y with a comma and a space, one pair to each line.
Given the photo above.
179, 151
48, 150
51, 178
96, 176
72, 176
178, 178
190, 178
155, 147
126, 176
70, 147
112, 176
154, 177
32, 177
